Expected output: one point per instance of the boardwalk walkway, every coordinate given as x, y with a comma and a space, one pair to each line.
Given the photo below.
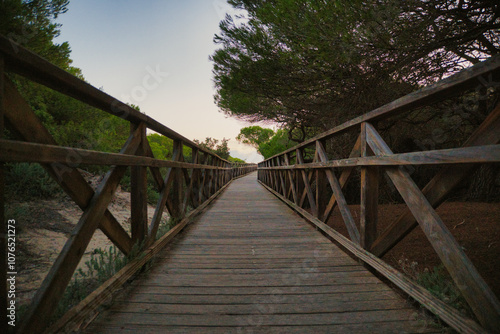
251, 265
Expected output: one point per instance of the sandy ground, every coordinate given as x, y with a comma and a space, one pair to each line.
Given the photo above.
43, 234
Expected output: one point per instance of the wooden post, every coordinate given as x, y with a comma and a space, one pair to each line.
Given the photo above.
3, 227
369, 197
321, 185
177, 182
478, 294
299, 182
138, 192
291, 181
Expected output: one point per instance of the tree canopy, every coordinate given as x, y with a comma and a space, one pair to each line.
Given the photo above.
313, 64
212, 144
266, 141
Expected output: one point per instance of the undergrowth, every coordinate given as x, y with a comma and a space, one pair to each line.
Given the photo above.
439, 283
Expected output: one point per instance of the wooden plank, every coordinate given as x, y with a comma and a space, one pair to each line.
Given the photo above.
451, 86
442, 184
369, 197
52, 288
479, 296
331, 306
207, 273
405, 326
338, 194
447, 313
23, 122
144, 293
125, 319
138, 190
85, 308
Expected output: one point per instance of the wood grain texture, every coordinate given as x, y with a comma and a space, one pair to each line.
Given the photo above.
437, 190
251, 264
478, 294
52, 288
447, 313
471, 77
22, 121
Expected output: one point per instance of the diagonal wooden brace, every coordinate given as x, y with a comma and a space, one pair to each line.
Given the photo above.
56, 281
22, 121
478, 294
441, 185
337, 192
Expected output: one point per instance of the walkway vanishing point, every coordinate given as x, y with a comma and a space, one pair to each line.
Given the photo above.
249, 264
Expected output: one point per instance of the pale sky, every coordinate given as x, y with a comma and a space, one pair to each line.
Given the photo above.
154, 54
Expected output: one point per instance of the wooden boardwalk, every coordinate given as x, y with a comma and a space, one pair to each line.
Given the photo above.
251, 265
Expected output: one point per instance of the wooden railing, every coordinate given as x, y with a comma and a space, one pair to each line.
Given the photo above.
303, 186
185, 184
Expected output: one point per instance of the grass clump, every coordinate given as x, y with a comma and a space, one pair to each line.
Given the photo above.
26, 181
101, 266
439, 284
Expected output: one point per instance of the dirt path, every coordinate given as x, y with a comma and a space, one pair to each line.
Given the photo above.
44, 228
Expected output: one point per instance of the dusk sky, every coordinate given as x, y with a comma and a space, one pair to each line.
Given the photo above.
154, 54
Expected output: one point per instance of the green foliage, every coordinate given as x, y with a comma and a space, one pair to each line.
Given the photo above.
26, 181
30, 23
319, 63
441, 286
212, 144
103, 264
161, 146
277, 144
236, 160
254, 135
267, 142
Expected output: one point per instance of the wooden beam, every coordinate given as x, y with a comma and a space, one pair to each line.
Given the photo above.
155, 171
22, 121
307, 185
444, 182
481, 299
176, 178
84, 310
451, 86
344, 177
191, 189
138, 190
369, 197
339, 195
448, 314
465, 155
17, 151
52, 288
28, 64
291, 179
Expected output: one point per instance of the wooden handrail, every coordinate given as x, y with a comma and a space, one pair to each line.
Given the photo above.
183, 185
300, 183
21, 61
488, 70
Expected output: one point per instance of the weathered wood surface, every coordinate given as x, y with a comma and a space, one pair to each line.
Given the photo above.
249, 264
